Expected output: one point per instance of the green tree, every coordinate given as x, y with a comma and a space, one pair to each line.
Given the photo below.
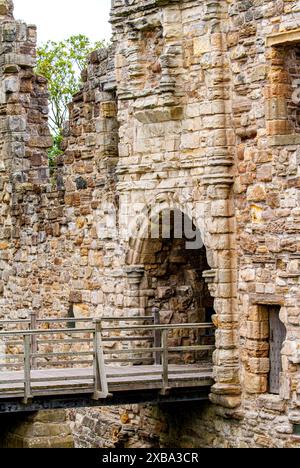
55, 151
62, 63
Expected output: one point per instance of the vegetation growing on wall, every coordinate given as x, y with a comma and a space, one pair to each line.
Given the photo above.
62, 64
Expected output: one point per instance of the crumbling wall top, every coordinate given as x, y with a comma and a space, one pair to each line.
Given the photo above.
123, 8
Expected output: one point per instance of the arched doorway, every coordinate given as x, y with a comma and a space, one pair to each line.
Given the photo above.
174, 259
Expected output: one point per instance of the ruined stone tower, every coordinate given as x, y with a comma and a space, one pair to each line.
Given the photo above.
194, 108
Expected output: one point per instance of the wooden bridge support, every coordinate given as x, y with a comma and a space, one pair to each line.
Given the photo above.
45, 429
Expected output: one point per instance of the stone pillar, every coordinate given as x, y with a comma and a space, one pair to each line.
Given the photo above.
222, 284
218, 180
133, 304
46, 429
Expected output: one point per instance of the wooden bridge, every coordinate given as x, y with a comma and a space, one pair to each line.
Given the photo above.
65, 363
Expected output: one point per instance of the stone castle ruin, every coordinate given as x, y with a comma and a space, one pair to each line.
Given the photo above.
192, 113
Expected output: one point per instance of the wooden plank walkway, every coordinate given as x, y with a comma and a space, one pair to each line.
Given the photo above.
82, 362
120, 379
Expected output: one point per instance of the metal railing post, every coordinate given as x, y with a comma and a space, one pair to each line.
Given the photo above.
100, 379
27, 368
165, 361
157, 337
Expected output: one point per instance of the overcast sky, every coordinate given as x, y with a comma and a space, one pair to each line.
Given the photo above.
59, 19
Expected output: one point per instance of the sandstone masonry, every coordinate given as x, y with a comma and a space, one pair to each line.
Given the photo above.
191, 109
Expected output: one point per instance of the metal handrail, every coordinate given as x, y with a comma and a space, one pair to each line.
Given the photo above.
46, 332
187, 326
75, 319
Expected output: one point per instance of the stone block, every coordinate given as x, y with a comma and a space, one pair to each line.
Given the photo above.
227, 401
17, 124
257, 313
226, 357
285, 140
257, 348
257, 193
224, 290
221, 241
12, 84
222, 208
265, 173
278, 127
254, 383
276, 108
201, 45
259, 73
81, 310
108, 109
95, 258
257, 330
283, 38
259, 365
264, 441
272, 403
226, 339
75, 297
226, 375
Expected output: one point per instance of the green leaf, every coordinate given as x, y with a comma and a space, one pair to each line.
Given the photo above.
61, 63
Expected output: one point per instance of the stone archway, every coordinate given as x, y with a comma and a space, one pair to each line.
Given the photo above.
172, 266
213, 220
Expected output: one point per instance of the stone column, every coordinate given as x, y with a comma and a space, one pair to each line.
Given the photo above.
222, 284
133, 305
218, 180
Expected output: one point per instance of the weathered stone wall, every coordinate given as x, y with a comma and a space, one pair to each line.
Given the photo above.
24, 167
190, 109
201, 102
266, 198
131, 426
175, 151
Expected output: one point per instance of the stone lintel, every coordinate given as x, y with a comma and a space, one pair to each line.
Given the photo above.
285, 140
283, 38
267, 299
125, 8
